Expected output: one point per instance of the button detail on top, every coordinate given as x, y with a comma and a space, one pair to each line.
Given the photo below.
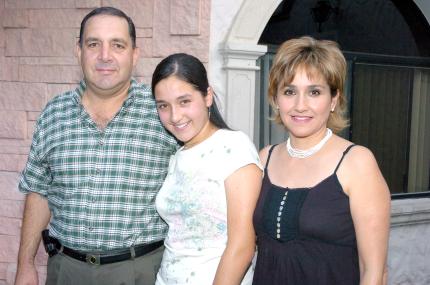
281, 207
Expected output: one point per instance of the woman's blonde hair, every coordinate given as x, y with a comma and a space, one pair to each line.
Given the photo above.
322, 56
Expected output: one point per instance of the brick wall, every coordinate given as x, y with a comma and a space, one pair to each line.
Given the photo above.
37, 41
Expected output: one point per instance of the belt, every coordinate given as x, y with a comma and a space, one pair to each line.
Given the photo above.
105, 258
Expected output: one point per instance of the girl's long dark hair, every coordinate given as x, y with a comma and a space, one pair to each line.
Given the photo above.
191, 70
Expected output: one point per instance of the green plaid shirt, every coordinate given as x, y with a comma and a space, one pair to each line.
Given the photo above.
100, 186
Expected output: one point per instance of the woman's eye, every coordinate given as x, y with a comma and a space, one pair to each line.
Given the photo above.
315, 92
289, 92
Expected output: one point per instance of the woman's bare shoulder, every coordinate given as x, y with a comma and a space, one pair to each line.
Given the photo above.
264, 153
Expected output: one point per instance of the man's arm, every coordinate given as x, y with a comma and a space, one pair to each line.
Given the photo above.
36, 218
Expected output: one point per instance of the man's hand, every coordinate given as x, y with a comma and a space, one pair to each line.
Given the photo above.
36, 218
26, 275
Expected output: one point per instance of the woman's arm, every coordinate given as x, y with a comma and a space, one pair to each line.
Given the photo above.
242, 190
370, 208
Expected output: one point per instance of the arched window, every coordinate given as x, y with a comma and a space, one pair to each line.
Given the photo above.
387, 46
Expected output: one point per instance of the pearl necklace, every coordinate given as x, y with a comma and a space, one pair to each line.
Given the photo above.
299, 153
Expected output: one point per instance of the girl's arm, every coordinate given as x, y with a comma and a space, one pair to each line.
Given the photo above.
242, 190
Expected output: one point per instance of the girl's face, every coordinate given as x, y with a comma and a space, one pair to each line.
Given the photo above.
305, 104
183, 110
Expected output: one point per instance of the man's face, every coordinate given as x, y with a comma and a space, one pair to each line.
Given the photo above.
107, 56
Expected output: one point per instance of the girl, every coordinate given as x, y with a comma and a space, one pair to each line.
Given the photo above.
213, 182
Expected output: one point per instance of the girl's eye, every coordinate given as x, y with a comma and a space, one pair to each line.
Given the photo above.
161, 106
184, 102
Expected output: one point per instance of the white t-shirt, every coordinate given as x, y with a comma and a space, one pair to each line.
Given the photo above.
192, 201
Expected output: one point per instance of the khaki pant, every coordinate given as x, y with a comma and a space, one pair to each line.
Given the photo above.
64, 270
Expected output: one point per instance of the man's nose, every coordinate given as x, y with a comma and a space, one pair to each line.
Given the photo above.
105, 52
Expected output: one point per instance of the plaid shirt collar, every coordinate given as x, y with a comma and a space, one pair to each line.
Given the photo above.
80, 89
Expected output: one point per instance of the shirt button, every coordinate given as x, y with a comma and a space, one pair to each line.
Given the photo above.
98, 170
101, 142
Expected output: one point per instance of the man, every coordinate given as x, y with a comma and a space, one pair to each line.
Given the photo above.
99, 155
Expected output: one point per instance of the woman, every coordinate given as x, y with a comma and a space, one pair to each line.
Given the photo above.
213, 183
324, 208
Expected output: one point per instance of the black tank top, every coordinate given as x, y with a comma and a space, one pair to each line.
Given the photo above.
305, 235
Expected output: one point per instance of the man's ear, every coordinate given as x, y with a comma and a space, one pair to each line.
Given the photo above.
136, 53
78, 52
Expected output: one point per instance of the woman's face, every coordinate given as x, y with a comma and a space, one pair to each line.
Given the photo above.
305, 104
183, 110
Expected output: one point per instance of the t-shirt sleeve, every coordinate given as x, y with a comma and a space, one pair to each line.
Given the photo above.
238, 151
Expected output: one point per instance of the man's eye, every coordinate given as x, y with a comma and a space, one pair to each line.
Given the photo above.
119, 46
92, 45
184, 102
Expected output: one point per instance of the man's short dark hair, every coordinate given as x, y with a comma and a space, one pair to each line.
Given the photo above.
112, 12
